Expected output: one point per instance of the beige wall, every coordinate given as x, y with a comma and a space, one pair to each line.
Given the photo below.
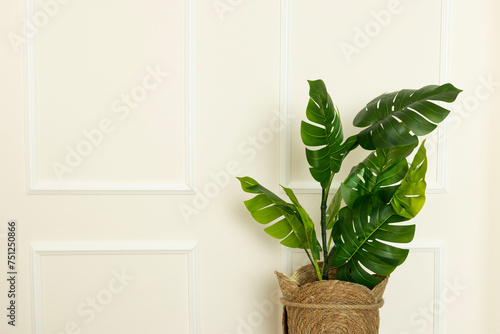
147, 225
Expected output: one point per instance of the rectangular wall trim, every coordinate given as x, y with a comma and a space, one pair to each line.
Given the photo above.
34, 186
437, 186
434, 247
37, 250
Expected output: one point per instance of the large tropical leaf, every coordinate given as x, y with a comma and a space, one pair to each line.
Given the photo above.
360, 245
381, 170
324, 131
333, 210
409, 198
312, 242
285, 221
397, 118
369, 220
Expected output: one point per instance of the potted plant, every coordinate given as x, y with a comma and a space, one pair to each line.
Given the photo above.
343, 292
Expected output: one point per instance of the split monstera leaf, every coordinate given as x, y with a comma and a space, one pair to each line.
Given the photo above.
370, 211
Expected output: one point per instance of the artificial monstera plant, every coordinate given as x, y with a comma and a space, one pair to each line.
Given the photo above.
371, 209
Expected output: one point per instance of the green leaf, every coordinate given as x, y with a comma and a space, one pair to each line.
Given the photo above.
279, 230
285, 222
312, 241
369, 220
360, 249
397, 118
324, 131
409, 198
292, 241
333, 210
380, 172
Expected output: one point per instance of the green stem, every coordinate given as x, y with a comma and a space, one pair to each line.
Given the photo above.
333, 215
324, 197
315, 264
318, 272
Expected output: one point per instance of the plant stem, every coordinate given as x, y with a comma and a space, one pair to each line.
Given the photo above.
324, 197
314, 263
333, 215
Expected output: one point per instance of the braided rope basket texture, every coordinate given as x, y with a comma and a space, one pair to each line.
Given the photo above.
329, 306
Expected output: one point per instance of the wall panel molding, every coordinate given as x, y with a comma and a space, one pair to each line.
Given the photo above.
434, 186
434, 247
37, 250
35, 186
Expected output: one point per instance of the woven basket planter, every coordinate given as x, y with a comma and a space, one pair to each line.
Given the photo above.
334, 307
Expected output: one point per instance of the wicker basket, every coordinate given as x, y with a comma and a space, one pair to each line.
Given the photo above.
329, 306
